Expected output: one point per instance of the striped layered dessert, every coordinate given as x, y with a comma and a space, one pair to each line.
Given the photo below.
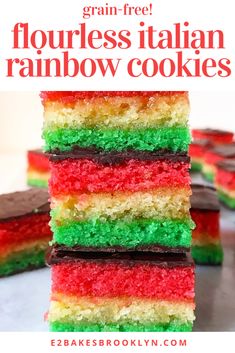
214, 136
197, 150
143, 121
215, 155
24, 230
225, 182
121, 201
126, 185
205, 212
121, 292
38, 170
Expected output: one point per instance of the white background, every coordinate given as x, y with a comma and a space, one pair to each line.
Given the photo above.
21, 116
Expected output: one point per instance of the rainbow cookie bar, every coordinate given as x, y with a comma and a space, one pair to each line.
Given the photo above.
119, 193
225, 182
213, 156
121, 201
38, 171
121, 291
24, 230
215, 136
143, 121
197, 150
205, 212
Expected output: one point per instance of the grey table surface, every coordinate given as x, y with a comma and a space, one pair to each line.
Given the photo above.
24, 298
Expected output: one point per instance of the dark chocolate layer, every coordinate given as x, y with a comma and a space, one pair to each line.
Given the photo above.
39, 151
228, 165
112, 249
213, 131
21, 203
202, 142
115, 157
58, 255
204, 198
225, 151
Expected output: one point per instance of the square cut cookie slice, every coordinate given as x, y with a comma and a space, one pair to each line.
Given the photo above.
225, 182
121, 291
24, 230
205, 212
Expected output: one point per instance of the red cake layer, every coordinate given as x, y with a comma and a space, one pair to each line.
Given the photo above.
215, 136
225, 178
38, 160
119, 279
71, 96
212, 158
75, 175
29, 227
196, 150
207, 222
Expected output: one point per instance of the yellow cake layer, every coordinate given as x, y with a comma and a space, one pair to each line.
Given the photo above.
197, 160
229, 192
205, 239
171, 203
119, 112
26, 245
117, 310
35, 175
208, 168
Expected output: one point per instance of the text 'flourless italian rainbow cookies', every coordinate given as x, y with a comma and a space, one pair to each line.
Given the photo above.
119, 183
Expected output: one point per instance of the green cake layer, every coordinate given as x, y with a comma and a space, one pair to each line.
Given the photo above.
228, 201
208, 176
174, 139
170, 233
206, 255
169, 327
196, 167
37, 183
22, 261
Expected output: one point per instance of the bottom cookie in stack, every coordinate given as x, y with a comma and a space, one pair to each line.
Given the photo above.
225, 182
132, 291
24, 230
205, 212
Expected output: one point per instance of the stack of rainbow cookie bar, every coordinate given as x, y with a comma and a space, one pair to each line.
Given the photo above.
120, 197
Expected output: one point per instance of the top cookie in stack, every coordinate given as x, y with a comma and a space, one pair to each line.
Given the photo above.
119, 170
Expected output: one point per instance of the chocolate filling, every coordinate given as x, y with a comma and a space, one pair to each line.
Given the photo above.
226, 151
39, 151
202, 142
61, 254
115, 157
213, 131
228, 165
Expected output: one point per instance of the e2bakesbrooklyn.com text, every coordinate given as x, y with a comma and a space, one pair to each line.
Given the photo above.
68, 52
